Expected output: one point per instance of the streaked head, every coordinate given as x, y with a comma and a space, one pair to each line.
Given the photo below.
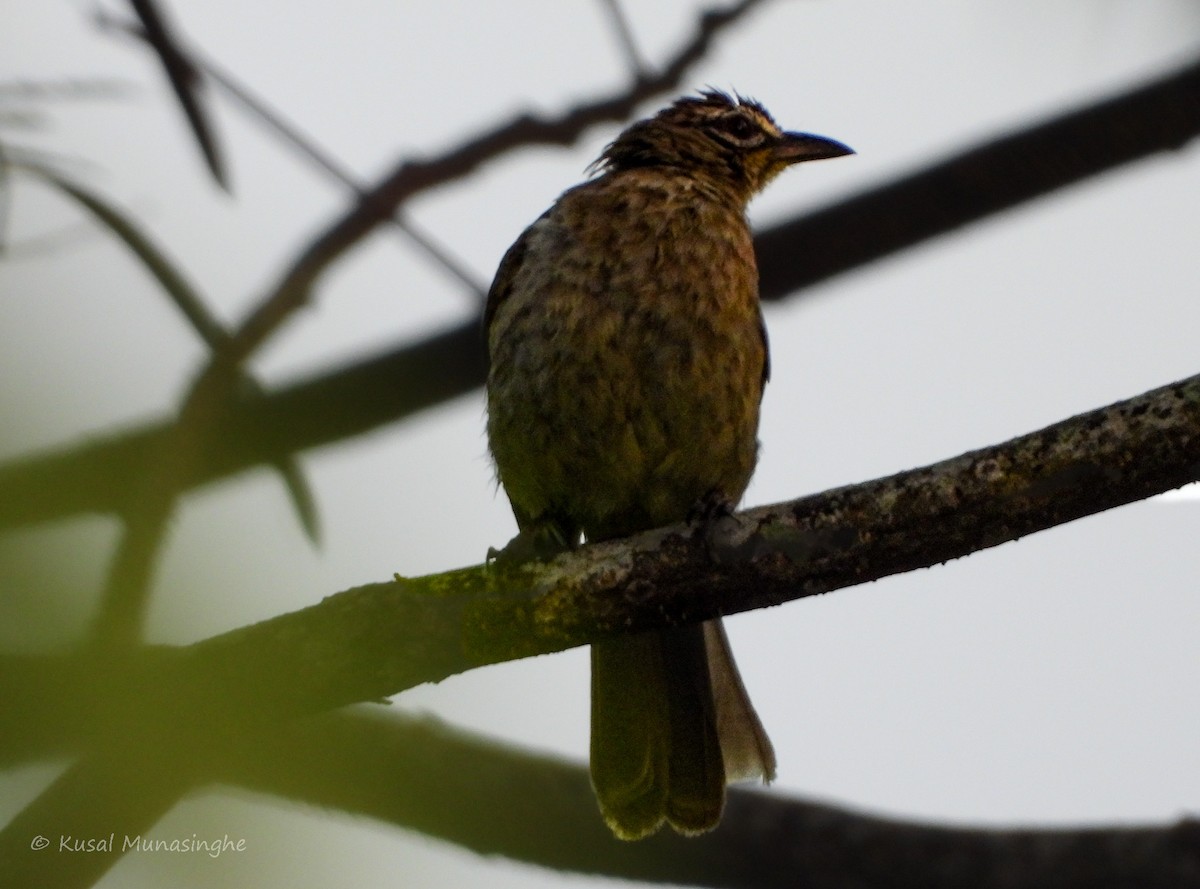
724, 138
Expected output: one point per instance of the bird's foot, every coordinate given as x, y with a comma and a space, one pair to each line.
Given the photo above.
537, 543
717, 526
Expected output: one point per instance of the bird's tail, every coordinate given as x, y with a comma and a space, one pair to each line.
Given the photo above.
671, 725
745, 747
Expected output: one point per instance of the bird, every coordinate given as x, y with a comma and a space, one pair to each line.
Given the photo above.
627, 357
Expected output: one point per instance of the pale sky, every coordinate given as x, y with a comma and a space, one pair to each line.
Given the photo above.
1050, 681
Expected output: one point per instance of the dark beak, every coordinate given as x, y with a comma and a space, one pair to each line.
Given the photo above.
795, 147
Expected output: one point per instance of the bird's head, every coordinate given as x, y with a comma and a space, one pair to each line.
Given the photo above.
730, 141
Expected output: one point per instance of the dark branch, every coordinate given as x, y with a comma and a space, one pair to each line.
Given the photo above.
97, 476
184, 82
412, 177
624, 33
496, 800
1159, 116
1163, 115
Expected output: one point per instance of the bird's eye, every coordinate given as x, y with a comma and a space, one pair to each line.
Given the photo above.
739, 128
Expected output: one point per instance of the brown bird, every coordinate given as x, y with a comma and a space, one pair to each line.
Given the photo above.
627, 362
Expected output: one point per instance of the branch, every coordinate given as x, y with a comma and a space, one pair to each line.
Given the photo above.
370, 642
493, 799
1162, 115
1156, 117
184, 82
412, 177
182, 451
121, 795
411, 631
497, 800
97, 476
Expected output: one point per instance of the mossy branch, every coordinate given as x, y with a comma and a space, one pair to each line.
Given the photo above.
373, 641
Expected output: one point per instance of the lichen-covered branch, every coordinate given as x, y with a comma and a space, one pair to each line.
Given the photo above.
373, 641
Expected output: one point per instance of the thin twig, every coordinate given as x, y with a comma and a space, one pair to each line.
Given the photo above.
412, 177
620, 25
184, 82
261, 112
270, 117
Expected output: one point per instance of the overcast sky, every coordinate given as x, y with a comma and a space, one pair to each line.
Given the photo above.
1047, 681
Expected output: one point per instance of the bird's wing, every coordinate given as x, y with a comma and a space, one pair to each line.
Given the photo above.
506, 274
